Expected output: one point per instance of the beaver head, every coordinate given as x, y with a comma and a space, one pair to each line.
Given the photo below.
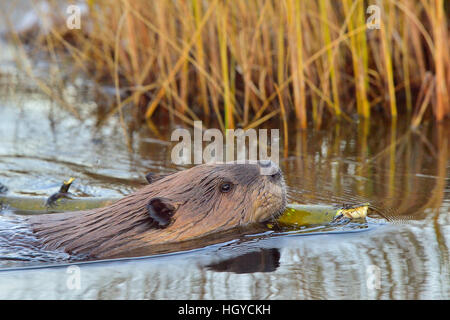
178, 207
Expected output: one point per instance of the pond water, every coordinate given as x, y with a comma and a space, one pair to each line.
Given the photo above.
402, 252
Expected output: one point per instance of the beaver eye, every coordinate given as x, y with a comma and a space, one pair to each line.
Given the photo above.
226, 187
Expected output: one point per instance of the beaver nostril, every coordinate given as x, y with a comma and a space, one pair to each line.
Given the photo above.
265, 163
269, 168
276, 176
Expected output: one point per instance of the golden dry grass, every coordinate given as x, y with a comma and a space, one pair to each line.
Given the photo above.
244, 62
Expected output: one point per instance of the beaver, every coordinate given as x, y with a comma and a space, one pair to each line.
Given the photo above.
178, 207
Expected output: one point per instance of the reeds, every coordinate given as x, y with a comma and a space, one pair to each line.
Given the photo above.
355, 14
245, 61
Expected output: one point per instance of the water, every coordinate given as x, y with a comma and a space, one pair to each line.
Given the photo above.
402, 252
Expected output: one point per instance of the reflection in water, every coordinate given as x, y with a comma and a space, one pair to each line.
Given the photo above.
312, 267
401, 177
264, 260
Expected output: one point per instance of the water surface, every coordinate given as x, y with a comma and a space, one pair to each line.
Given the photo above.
403, 174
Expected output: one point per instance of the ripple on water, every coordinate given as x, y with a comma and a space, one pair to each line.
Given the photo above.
19, 246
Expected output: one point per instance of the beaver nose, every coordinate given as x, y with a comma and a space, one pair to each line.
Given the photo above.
269, 168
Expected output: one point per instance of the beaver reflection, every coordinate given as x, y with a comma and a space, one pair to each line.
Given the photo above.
265, 260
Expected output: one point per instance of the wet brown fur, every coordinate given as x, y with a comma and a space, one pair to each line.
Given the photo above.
202, 209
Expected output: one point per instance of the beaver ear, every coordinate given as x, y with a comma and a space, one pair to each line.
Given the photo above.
161, 211
152, 177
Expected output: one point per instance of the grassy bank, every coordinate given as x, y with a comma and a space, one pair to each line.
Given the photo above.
244, 62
